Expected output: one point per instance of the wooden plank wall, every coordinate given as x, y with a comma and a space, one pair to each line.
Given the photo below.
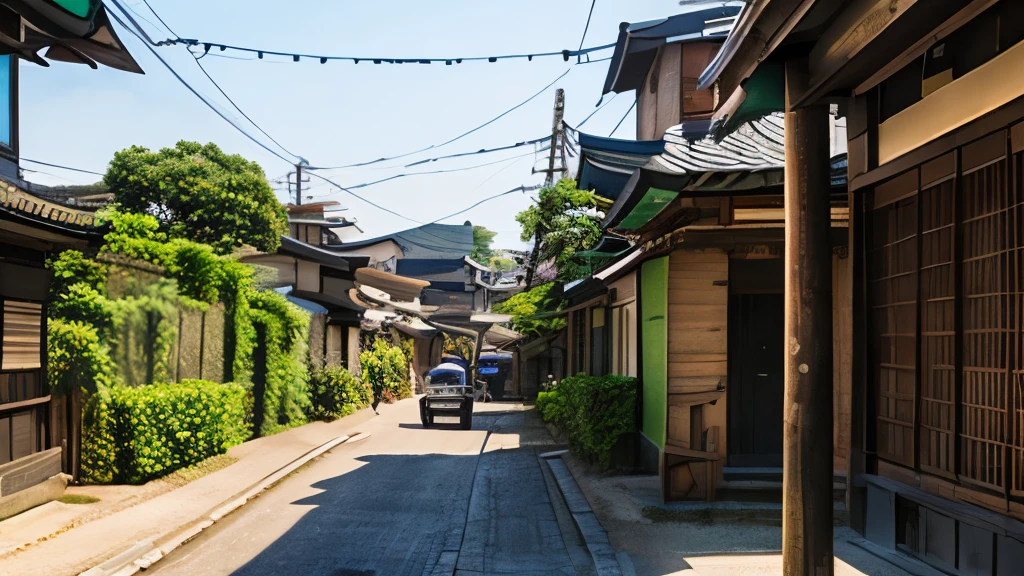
842, 358
698, 296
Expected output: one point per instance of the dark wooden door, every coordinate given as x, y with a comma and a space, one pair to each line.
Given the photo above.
756, 388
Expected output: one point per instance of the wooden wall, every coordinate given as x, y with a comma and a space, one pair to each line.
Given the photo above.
698, 296
842, 357
669, 92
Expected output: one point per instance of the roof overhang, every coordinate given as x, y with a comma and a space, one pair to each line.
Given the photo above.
301, 250
637, 45
83, 36
850, 46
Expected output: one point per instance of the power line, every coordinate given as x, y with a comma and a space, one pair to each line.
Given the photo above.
459, 137
240, 111
523, 189
585, 28
463, 169
182, 80
591, 115
631, 106
371, 203
62, 167
297, 56
480, 151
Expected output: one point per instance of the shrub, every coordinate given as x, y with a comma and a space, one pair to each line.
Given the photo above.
286, 332
551, 406
334, 392
132, 435
386, 369
594, 411
76, 357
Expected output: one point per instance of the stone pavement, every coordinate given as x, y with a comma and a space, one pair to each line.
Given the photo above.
702, 539
93, 542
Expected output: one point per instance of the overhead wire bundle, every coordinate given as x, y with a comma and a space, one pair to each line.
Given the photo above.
137, 30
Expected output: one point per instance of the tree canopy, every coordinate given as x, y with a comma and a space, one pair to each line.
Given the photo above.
482, 238
563, 222
527, 308
200, 193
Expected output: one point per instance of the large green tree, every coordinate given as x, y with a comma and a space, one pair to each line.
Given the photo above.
482, 238
200, 193
563, 222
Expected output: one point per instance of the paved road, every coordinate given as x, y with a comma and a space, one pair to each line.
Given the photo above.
403, 502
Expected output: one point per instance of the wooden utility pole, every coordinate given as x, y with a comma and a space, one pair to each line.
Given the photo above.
557, 145
807, 429
298, 184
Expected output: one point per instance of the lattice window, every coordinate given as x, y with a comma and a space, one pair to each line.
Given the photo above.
938, 315
893, 301
1016, 233
987, 325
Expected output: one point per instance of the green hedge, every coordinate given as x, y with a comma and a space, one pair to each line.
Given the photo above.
334, 392
134, 434
386, 369
593, 411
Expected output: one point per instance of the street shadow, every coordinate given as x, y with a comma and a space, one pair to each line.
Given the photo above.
392, 516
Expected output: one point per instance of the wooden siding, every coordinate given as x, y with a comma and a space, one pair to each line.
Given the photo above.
22, 335
842, 357
698, 296
669, 93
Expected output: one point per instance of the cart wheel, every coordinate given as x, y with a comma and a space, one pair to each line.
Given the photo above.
466, 420
425, 417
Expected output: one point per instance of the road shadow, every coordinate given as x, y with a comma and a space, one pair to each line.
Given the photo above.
392, 516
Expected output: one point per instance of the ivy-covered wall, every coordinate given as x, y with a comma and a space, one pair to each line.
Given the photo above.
146, 313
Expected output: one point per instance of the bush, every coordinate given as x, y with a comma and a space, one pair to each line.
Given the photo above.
386, 369
286, 332
594, 411
76, 357
334, 392
551, 406
132, 435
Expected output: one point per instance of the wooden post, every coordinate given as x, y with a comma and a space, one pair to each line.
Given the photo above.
807, 428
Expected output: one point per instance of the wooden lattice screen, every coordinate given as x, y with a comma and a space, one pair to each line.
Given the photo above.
1017, 259
893, 299
938, 318
987, 325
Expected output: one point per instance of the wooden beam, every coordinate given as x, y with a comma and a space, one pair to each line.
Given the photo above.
807, 427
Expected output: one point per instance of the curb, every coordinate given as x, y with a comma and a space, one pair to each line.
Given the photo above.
144, 554
606, 561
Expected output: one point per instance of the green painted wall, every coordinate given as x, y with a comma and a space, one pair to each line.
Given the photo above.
654, 331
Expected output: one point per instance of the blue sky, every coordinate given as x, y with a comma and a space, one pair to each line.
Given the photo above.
339, 113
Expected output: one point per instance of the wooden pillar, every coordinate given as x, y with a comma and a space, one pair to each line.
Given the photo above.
807, 428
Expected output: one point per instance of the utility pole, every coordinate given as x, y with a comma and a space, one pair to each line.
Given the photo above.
557, 145
807, 426
298, 182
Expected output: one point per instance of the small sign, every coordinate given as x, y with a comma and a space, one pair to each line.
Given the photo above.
489, 370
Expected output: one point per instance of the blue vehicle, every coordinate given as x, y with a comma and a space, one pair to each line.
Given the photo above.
449, 395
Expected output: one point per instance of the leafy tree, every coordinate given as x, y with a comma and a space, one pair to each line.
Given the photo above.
482, 238
502, 264
563, 222
525, 308
199, 193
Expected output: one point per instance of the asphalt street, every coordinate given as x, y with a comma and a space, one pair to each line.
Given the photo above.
404, 501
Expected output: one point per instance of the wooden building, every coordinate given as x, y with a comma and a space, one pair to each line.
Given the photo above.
934, 96
33, 226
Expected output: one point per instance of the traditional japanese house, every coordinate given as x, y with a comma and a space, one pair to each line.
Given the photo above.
694, 305
35, 224
934, 96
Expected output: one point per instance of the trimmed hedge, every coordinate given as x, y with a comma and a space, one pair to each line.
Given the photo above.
593, 411
386, 368
334, 392
134, 434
